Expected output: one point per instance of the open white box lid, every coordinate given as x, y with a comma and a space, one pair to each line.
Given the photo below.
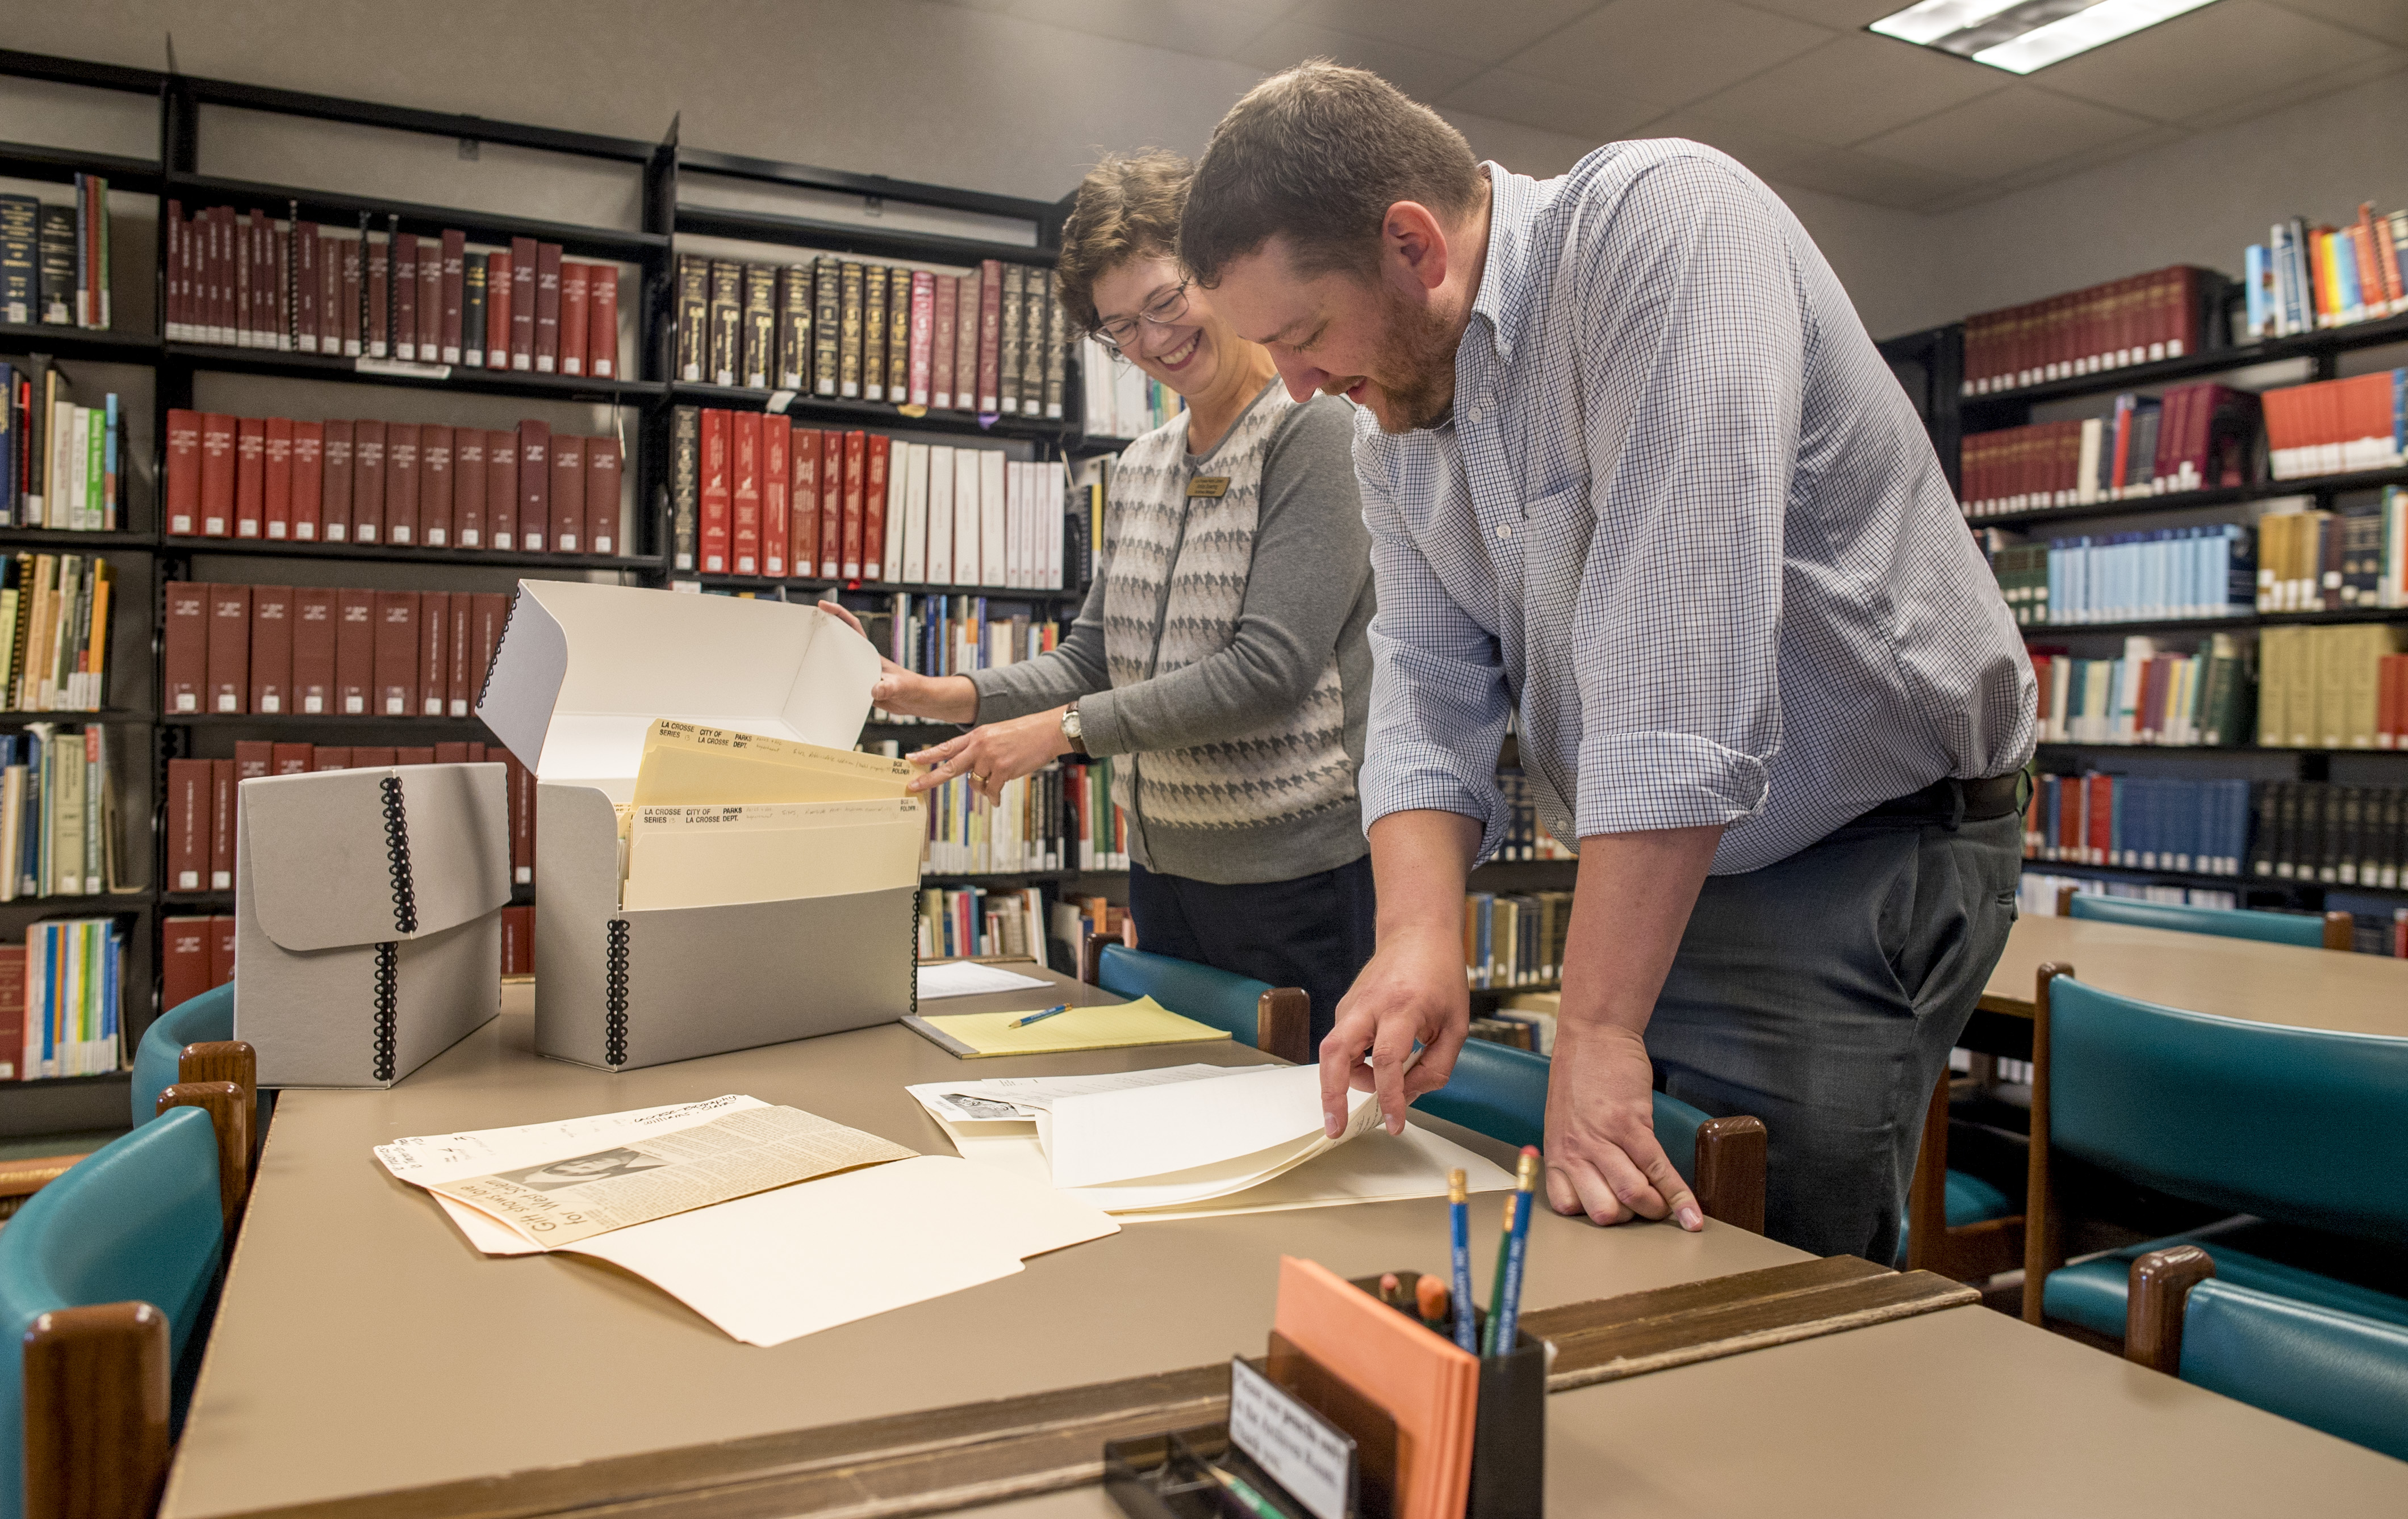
582, 670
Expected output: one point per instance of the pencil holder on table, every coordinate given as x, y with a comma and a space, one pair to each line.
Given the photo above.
1508, 1442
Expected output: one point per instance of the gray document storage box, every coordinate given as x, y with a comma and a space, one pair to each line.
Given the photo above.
581, 673
368, 926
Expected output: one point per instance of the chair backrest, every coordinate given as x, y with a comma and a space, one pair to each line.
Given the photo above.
199, 1019
1223, 999
1501, 1092
138, 1220
2304, 929
2296, 1125
2334, 1371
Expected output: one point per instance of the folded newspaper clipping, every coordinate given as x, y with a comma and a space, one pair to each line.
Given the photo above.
653, 1175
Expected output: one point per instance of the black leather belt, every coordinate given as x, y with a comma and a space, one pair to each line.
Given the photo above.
1949, 801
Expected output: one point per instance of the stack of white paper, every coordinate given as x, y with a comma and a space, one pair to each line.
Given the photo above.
1195, 1141
968, 978
777, 1263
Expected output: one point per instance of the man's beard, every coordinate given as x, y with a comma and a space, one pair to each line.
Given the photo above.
1415, 368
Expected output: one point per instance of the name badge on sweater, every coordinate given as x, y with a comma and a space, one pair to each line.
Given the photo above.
1214, 486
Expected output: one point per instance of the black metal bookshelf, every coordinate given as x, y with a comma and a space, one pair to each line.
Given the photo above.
643, 388
2322, 347
2173, 501
1930, 365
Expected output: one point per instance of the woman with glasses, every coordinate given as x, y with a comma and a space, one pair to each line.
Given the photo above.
1221, 655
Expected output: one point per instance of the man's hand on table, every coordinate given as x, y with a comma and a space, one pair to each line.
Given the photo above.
1602, 1157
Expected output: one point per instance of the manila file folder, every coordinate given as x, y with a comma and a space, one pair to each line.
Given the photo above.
583, 675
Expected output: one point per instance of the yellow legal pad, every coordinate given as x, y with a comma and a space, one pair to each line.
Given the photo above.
975, 1036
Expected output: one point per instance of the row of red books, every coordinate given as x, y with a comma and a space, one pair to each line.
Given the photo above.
771, 498
2334, 426
196, 954
201, 799
2139, 319
307, 651
395, 483
290, 285
2194, 438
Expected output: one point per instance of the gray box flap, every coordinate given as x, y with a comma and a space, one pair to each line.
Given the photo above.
345, 857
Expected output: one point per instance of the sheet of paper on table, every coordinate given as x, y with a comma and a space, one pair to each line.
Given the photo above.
968, 978
1194, 1142
895, 1228
1117, 1025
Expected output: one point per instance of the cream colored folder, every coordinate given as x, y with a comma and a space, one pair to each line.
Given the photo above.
714, 856
687, 765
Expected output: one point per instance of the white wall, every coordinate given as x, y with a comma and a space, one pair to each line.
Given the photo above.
2199, 201
909, 88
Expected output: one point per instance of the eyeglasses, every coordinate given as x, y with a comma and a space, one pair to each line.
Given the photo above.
1121, 333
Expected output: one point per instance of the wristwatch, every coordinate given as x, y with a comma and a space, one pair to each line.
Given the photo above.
1070, 734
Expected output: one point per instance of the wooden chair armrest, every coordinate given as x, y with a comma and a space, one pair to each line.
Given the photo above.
2065, 900
2340, 931
1731, 1171
96, 1412
219, 1060
24, 1178
1284, 1025
229, 1107
1091, 956
1927, 1195
2160, 1285
2044, 1237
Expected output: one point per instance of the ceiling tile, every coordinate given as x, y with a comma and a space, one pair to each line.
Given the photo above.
1852, 88
2383, 19
1424, 75
1509, 96
1766, 152
2008, 130
1841, 171
1487, 32
2390, 61
2196, 63
1841, 15
1668, 50
1208, 27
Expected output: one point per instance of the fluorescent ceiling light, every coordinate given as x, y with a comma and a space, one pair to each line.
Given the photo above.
2022, 36
1928, 22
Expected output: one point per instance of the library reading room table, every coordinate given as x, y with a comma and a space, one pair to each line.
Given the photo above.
362, 1348
2231, 978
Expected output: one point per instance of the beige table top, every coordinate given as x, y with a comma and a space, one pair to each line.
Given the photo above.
361, 1345
2233, 978
1965, 1414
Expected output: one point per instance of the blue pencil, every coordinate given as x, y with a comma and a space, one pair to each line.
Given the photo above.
1460, 1218
1518, 1247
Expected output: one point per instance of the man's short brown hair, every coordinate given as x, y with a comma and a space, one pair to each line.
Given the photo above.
1128, 207
1317, 154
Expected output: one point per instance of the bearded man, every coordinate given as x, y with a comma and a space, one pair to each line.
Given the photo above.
1636, 476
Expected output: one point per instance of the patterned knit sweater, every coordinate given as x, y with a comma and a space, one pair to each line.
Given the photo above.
1223, 648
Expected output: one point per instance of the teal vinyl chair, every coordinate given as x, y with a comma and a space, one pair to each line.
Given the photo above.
2333, 931
105, 1278
1964, 1227
1501, 1092
2297, 1127
1276, 1020
2340, 1373
206, 1019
